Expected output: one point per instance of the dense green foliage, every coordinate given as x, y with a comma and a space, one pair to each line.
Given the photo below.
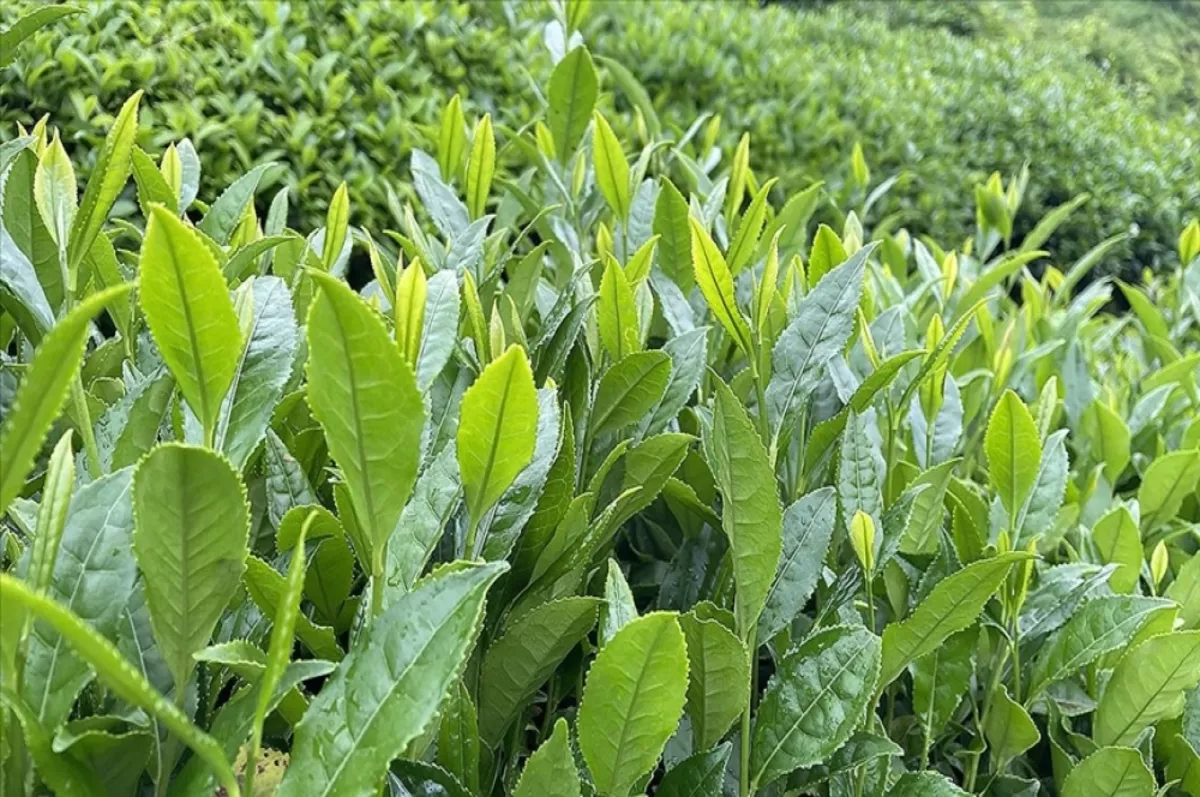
619, 475
939, 94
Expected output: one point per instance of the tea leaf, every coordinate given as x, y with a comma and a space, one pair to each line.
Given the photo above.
498, 430
365, 396
718, 671
1147, 686
751, 516
550, 771
190, 314
814, 702
190, 532
632, 702
43, 391
389, 686
1110, 772
572, 96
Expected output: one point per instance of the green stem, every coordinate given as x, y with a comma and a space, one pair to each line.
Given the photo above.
84, 417
377, 589
472, 533
745, 787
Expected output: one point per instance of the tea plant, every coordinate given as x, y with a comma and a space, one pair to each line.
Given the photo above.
611, 480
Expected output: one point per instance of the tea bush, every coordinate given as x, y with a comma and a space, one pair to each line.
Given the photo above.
345, 91
620, 475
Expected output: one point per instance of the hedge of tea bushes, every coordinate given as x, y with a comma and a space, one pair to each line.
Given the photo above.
337, 91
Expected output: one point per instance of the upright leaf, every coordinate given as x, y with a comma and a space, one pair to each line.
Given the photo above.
43, 391
820, 328
111, 170
190, 313
389, 687
716, 283
718, 674
365, 396
572, 97
631, 705
1014, 450
190, 541
814, 702
612, 169
807, 531
1111, 772
751, 516
497, 431
550, 771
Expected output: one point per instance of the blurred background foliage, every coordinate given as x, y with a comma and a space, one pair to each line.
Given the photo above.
1097, 97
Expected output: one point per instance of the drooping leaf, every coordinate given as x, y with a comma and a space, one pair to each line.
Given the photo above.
525, 656
700, 775
119, 675
1147, 686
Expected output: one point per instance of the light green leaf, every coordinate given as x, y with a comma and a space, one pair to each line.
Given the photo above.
815, 700
1166, 483
54, 192
365, 396
109, 174
550, 771
481, 166
191, 526
525, 656
26, 26
618, 609
951, 606
1109, 437
617, 313
718, 675
827, 253
390, 685
189, 312
612, 169
716, 283
1014, 450
497, 431
1009, 729
572, 97
631, 705
1119, 543
43, 391
630, 389
120, 676
751, 516
1111, 772
1147, 685
1185, 590
745, 240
